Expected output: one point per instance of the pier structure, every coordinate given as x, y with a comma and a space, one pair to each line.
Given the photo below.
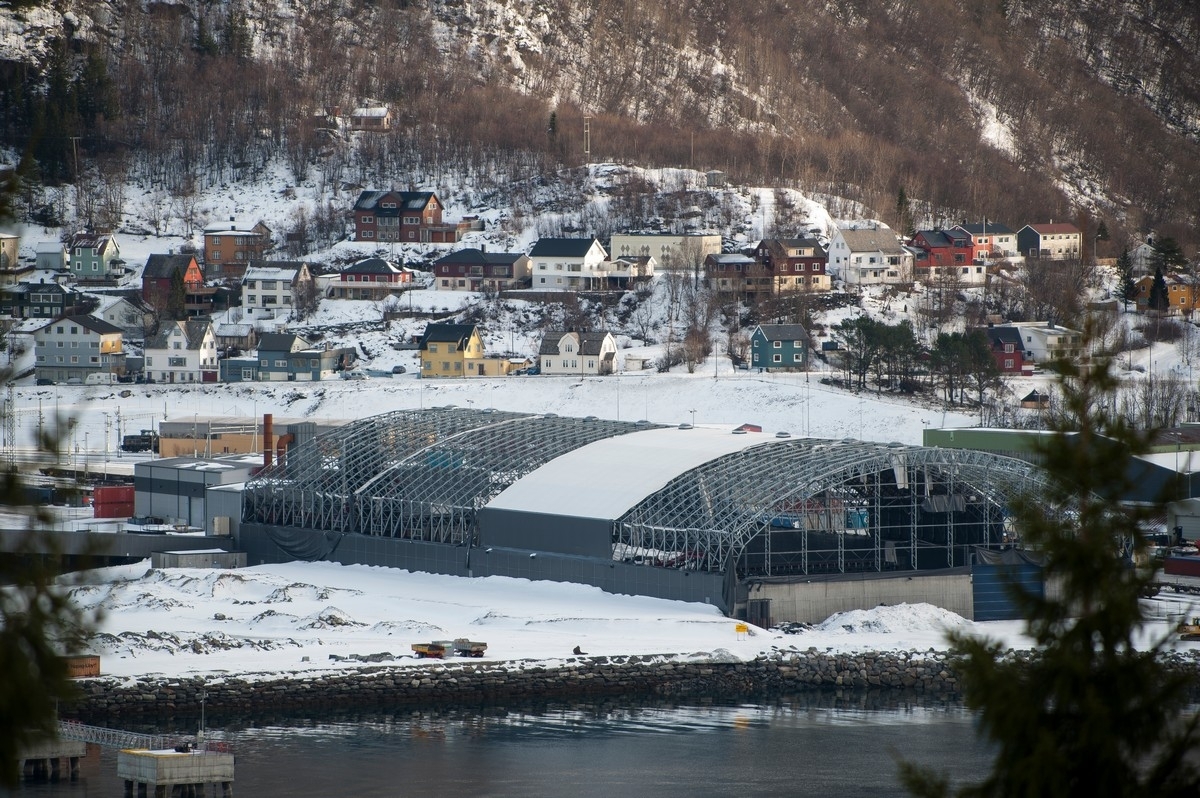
43, 761
179, 772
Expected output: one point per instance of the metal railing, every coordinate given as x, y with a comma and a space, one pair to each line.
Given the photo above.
118, 738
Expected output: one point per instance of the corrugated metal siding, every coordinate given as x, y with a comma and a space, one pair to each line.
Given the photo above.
991, 589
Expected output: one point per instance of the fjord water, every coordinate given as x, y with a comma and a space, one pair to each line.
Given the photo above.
603, 749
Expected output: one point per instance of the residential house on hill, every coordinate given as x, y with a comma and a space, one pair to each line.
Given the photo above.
578, 353
1008, 349
74, 347
794, 264
51, 256
947, 255
230, 246
869, 256
405, 216
568, 264
1183, 293
273, 284
671, 251
41, 300
285, 357
128, 313
241, 336
371, 279
476, 270
626, 271
731, 273
451, 350
991, 240
1052, 241
95, 257
1045, 341
182, 352
11, 267
779, 347
159, 278
371, 118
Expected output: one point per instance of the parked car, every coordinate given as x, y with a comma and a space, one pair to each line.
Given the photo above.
74, 381
44, 381
353, 375
399, 370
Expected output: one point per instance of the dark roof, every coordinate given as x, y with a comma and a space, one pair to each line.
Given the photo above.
446, 333
590, 343
991, 228
473, 256
797, 243
193, 332
90, 322
280, 342
372, 266
1005, 335
405, 200
934, 238
784, 332
163, 266
561, 247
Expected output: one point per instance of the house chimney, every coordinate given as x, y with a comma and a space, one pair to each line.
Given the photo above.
268, 423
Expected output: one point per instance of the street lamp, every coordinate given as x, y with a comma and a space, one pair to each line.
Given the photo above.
693, 412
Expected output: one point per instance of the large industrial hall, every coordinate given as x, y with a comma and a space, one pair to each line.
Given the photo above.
729, 516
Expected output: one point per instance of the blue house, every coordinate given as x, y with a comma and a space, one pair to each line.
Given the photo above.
283, 357
782, 347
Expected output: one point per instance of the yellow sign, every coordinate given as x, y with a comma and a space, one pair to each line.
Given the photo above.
741, 629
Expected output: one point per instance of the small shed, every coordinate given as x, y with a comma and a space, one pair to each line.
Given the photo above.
202, 558
1035, 400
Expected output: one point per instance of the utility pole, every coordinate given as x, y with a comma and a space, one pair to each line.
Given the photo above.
587, 139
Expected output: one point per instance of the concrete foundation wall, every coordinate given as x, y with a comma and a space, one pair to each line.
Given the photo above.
813, 602
166, 767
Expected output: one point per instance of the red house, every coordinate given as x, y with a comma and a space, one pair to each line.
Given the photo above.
404, 216
945, 247
160, 271
1007, 349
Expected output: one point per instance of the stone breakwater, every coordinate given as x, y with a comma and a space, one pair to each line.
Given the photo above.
471, 683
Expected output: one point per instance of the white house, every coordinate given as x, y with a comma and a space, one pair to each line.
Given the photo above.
128, 314
671, 251
870, 256
74, 347
274, 286
577, 353
183, 351
568, 264
1054, 241
1046, 341
50, 256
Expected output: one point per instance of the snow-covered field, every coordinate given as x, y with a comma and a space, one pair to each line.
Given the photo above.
314, 617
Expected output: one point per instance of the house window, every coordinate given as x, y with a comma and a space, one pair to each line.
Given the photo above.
247, 374
280, 364
368, 234
458, 365
796, 357
1009, 363
777, 358
263, 363
777, 344
433, 348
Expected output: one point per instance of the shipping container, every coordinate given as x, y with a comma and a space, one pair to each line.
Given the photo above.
113, 510
1182, 566
108, 494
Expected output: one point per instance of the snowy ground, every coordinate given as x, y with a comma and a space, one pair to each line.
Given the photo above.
297, 617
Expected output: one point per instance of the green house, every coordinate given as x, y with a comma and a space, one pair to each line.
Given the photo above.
779, 347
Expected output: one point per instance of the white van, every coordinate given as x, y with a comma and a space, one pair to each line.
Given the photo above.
102, 378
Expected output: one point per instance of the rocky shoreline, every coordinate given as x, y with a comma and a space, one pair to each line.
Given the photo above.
467, 683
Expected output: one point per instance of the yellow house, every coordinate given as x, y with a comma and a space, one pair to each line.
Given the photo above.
452, 350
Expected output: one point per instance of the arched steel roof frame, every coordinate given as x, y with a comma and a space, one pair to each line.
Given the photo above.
414, 473
728, 512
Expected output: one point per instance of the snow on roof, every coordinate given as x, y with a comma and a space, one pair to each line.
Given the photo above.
621, 470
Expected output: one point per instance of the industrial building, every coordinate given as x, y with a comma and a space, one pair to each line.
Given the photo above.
726, 516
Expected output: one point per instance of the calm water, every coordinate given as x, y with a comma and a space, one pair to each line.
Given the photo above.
791, 748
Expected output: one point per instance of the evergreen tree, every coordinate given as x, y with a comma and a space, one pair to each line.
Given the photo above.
1126, 288
1167, 254
904, 216
1088, 713
1160, 299
176, 298
1102, 232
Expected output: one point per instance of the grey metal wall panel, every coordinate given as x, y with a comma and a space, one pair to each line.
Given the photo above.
604, 573
991, 587
519, 529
